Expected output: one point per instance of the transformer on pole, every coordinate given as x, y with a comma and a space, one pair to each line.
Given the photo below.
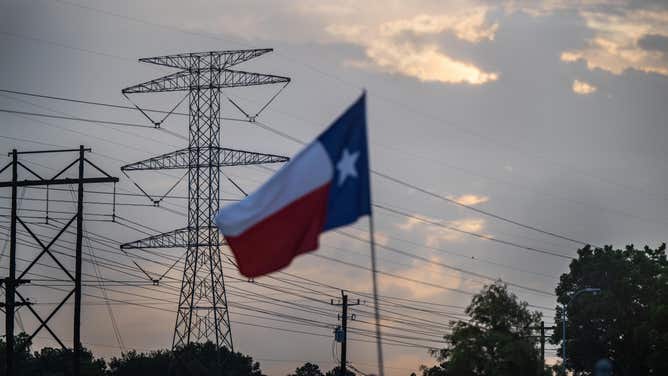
202, 313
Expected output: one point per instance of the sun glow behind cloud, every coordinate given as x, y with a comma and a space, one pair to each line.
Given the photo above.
433, 236
469, 199
387, 48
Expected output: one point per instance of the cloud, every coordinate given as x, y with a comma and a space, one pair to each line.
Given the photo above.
471, 26
624, 38
469, 199
388, 49
583, 88
406, 38
434, 236
626, 34
424, 272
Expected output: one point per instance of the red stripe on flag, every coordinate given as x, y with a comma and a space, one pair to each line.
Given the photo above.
271, 244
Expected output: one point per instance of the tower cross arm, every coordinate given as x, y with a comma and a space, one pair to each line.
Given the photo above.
215, 59
172, 239
183, 81
218, 157
236, 78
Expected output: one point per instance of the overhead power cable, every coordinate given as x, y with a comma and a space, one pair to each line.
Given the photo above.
471, 233
109, 105
377, 173
393, 102
429, 261
86, 120
447, 199
472, 208
442, 264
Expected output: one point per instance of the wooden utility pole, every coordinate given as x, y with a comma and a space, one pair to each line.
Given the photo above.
542, 328
542, 342
344, 327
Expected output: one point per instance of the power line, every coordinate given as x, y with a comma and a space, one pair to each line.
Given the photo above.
350, 264
296, 140
86, 120
474, 234
468, 256
315, 69
380, 174
391, 101
460, 270
446, 199
472, 208
115, 290
108, 105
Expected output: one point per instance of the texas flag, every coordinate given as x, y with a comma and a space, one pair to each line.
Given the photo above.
326, 185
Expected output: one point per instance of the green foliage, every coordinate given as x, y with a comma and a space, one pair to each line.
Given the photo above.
497, 341
628, 321
308, 369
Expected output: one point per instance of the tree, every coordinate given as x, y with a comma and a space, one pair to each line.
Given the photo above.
49, 361
154, 363
58, 362
336, 371
23, 359
496, 341
308, 369
194, 359
628, 321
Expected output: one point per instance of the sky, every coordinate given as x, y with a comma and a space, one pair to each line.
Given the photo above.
549, 113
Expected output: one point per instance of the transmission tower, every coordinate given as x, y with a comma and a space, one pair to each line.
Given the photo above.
202, 313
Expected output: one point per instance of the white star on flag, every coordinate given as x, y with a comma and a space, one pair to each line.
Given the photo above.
346, 165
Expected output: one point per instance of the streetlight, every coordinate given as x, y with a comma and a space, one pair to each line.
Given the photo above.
592, 290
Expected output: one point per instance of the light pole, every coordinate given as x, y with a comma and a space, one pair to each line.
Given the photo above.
592, 290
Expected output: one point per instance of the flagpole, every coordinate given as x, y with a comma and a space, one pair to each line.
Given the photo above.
379, 346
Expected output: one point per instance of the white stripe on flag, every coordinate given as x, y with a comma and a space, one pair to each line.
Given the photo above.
308, 170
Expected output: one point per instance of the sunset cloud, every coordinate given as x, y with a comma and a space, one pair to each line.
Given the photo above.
624, 39
471, 26
583, 88
434, 236
469, 199
424, 272
388, 49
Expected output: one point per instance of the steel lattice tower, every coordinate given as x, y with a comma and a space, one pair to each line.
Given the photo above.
202, 312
